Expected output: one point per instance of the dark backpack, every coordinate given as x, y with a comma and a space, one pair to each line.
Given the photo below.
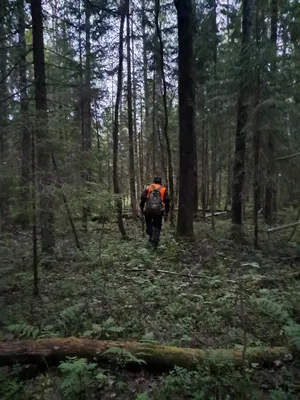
154, 203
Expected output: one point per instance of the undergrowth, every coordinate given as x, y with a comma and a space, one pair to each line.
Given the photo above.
186, 294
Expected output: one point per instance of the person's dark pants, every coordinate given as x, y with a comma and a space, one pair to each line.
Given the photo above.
153, 228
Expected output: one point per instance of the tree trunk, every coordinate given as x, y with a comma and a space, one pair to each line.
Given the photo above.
270, 195
203, 150
166, 113
240, 139
146, 95
185, 16
130, 122
164, 357
139, 182
256, 134
25, 132
154, 136
215, 108
123, 6
35, 264
141, 152
3, 110
86, 111
43, 148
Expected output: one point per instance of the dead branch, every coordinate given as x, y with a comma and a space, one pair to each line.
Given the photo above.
287, 157
282, 227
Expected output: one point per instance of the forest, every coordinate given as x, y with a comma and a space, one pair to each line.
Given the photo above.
99, 97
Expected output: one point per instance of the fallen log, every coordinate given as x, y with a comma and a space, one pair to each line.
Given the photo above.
162, 357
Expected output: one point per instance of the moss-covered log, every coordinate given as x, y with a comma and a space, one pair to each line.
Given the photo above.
163, 357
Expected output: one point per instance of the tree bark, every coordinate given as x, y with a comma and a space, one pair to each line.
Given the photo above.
42, 143
130, 122
167, 357
214, 134
25, 132
242, 115
146, 96
186, 117
256, 133
166, 113
3, 110
139, 182
154, 136
123, 7
203, 149
86, 111
270, 194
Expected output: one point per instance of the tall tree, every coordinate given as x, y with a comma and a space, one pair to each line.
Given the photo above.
41, 131
130, 120
270, 195
185, 18
123, 7
86, 108
256, 129
25, 132
242, 115
146, 87
166, 112
214, 133
3, 108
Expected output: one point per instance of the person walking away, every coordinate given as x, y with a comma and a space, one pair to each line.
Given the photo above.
157, 202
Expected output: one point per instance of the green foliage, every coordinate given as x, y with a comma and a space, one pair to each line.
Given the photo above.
293, 332
123, 356
10, 388
204, 384
271, 308
148, 338
71, 318
24, 331
142, 396
78, 377
108, 329
279, 394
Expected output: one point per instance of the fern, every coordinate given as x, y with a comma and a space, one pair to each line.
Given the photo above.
123, 356
276, 311
24, 330
106, 330
77, 376
148, 338
70, 315
293, 332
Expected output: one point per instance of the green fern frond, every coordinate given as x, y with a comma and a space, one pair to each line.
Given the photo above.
124, 355
275, 310
68, 315
105, 330
148, 338
24, 330
293, 332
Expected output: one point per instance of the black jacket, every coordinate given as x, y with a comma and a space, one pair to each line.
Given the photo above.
166, 200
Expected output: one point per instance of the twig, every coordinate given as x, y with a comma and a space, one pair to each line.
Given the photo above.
287, 157
162, 271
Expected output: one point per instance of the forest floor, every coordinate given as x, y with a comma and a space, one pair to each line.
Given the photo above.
196, 294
